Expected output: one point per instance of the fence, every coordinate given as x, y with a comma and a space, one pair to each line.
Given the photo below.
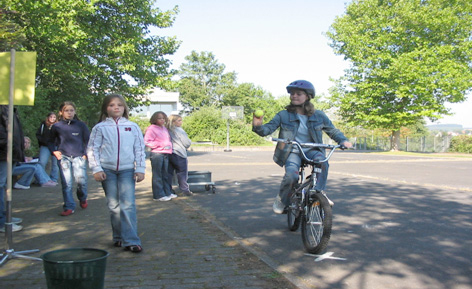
409, 144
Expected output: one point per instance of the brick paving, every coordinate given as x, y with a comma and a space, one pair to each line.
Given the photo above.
182, 248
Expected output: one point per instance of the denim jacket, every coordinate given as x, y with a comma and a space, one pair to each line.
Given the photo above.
288, 122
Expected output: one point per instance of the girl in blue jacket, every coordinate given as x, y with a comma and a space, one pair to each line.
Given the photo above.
69, 138
117, 159
301, 122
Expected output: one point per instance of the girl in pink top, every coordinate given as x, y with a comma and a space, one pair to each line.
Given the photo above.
157, 138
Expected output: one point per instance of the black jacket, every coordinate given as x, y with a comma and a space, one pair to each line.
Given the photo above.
18, 136
43, 134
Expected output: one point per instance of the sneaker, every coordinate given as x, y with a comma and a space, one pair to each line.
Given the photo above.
163, 199
189, 193
83, 204
67, 213
331, 203
20, 187
172, 196
134, 248
16, 220
49, 184
278, 207
14, 228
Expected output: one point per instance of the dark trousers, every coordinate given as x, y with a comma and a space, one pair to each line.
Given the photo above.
179, 165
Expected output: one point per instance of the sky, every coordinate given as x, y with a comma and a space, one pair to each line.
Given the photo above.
269, 43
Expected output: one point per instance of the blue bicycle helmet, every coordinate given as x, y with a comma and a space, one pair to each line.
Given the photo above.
303, 85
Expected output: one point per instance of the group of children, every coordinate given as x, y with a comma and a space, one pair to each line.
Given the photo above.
115, 150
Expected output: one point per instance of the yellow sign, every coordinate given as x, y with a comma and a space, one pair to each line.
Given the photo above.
25, 73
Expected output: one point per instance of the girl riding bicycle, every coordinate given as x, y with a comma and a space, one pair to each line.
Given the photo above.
301, 122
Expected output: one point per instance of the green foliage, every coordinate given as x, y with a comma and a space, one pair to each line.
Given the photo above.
205, 88
11, 34
143, 123
87, 49
207, 124
203, 81
408, 59
461, 144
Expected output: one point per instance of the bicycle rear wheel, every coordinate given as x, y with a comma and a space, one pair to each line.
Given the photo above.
294, 213
317, 220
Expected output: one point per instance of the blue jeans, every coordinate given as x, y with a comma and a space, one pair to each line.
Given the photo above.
3, 185
28, 171
180, 166
292, 167
160, 181
119, 188
44, 156
73, 167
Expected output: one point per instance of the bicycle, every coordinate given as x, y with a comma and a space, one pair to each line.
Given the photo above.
308, 206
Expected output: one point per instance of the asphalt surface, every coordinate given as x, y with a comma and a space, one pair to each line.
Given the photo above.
182, 247
399, 221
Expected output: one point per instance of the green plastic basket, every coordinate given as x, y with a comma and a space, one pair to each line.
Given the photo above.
75, 268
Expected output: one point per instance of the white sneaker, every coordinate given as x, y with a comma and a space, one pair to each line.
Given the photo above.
14, 228
20, 187
172, 196
16, 220
49, 184
278, 207
163, 199
331, 203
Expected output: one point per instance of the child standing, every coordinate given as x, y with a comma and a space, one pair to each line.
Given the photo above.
117, 159
178, 159
158, 139
43, 136
69, 138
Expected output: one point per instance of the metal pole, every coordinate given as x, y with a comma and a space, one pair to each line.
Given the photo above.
227, 136
8, 193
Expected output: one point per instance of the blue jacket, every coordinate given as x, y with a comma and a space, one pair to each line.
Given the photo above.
70, 137
288, 122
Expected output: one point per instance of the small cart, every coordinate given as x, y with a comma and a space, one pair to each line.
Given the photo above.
199, 179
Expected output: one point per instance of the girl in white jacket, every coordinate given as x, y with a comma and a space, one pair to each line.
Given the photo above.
117, 159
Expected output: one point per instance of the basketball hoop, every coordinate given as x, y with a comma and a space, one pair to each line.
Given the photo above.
233, 113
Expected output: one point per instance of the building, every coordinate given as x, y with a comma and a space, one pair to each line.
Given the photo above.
161, 100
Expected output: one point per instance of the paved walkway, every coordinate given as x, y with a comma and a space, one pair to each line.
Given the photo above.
182, 248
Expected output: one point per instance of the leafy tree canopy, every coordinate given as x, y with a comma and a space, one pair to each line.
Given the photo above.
87, 49
203, 81
409, 58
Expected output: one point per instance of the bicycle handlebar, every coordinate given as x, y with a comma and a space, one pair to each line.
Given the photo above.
332, 148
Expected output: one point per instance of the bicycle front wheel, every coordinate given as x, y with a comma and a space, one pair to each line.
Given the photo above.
317, 220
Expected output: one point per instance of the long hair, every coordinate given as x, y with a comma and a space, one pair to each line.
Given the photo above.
155, 115
63, 105
172, 119
308, 108
106, 102
47, 122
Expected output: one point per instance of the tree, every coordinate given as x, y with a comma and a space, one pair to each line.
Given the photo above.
203, 81
408, 58
86, 49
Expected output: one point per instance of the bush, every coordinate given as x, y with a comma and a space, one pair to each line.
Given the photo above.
461, 144
143, 123
207, 124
